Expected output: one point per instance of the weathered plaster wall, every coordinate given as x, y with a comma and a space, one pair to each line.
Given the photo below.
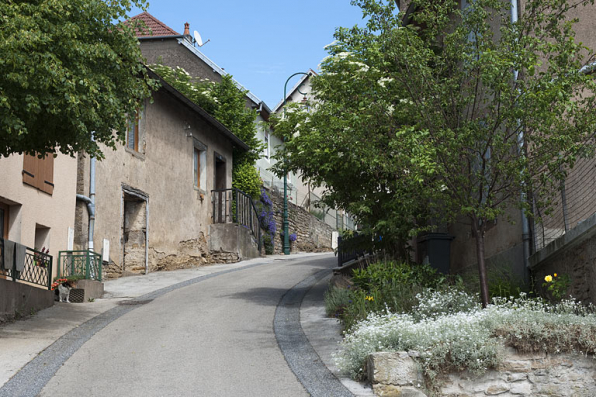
21, 299
503, 243
538, 374
163, 170
29, 207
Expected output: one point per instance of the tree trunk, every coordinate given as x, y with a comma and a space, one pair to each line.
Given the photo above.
479, 235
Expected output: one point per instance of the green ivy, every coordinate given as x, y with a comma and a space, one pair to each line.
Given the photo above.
246, 178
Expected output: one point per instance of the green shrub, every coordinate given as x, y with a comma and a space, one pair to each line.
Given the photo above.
268, 244
380, 274
382, 286
336, 300
502, 283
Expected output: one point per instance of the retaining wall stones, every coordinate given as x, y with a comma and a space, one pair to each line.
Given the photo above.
574, 254
312, 235
536, 374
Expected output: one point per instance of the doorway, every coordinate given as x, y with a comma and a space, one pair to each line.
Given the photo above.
134, 233
220, 172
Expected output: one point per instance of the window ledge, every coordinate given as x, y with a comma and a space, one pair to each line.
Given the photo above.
201, 191
136, 154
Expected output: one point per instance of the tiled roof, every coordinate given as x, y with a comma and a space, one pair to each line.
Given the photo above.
158, 28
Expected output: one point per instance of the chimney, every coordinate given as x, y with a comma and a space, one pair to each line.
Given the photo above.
187, 31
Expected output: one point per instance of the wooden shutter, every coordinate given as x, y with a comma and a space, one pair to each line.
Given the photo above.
46, 174
39, 173
30, 170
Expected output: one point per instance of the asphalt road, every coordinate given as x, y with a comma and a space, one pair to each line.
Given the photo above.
212, 338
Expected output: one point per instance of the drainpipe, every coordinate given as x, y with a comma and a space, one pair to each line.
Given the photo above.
92, 198
91, 212
90, 201
525, 224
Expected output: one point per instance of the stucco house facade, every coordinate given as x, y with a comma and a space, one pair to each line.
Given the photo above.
164, 45
153, 199
37, 201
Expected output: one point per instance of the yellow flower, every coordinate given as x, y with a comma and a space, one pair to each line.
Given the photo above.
370, 298
548, 278
555, 274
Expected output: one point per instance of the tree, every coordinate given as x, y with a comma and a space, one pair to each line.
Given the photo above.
227, 103
431, 116
67, 71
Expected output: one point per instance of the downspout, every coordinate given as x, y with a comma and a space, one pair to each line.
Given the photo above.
525, 223
91, 212
90, 201
92, 198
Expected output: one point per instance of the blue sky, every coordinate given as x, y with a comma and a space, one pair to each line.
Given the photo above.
260, 43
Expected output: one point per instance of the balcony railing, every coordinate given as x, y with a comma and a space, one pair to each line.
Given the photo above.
30, 267
83, 264
235, 206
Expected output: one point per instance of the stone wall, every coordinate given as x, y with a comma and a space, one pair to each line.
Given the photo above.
189, 253
573, 254
536, 374
312, 234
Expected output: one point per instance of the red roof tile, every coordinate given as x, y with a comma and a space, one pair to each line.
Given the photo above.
158, 28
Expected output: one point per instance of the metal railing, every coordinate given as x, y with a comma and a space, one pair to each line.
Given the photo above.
572, 204
84, 264
235, 206
353, 247
36, 266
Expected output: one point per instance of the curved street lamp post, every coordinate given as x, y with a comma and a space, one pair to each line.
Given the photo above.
285, 218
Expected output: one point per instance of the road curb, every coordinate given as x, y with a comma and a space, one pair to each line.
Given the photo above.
301, 357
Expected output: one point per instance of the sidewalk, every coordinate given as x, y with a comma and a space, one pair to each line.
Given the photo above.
23, 340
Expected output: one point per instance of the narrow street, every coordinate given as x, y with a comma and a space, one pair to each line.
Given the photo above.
216, 337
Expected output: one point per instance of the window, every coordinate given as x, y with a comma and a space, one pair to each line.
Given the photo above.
132, 135
39, 173
199, 165
42, 237
134, 131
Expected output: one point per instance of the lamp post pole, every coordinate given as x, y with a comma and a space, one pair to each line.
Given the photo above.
285, 219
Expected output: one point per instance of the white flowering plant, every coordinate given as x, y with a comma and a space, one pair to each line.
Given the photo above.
448, 330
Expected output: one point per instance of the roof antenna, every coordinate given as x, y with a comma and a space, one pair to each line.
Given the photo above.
199, 40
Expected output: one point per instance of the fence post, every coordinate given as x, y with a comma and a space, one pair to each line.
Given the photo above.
100, 266
14, 264
249, 206
49, 269
237, 205
339, 261
87, 273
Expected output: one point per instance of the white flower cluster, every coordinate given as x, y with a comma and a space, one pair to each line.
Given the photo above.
450, 330
431, 303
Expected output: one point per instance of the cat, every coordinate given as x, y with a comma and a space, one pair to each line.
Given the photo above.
64, 293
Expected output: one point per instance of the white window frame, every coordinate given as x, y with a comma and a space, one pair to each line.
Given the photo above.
202, 149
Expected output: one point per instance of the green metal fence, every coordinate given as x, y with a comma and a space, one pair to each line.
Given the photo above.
84, 264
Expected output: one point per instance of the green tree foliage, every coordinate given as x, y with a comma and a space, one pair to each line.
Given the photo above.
227, 103
67, 70
423, 124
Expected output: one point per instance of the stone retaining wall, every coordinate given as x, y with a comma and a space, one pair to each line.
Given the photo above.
312, 234
536, 374
573, 254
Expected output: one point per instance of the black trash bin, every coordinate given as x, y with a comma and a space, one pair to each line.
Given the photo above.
435, 249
